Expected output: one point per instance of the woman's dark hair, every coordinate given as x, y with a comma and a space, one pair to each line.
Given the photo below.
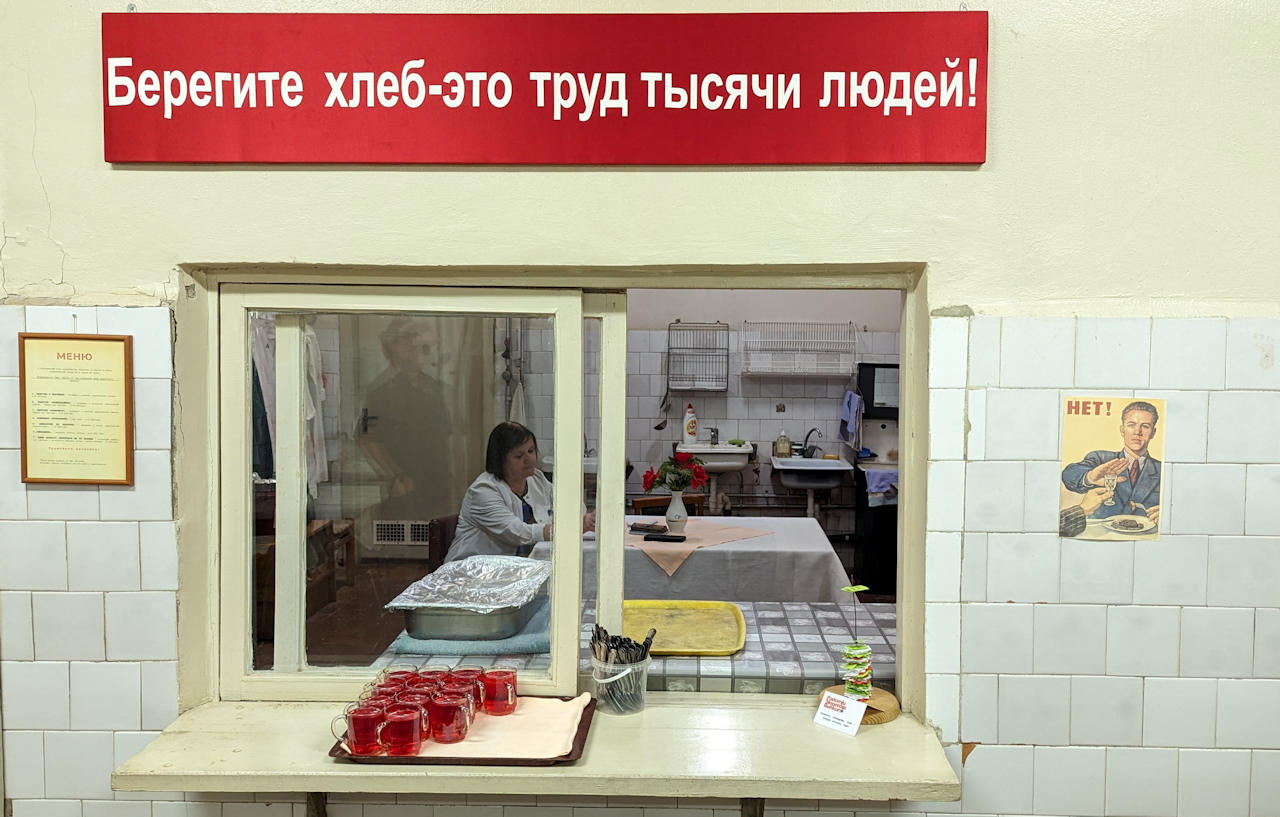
504, 438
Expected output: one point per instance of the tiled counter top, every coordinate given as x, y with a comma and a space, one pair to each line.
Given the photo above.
791, 647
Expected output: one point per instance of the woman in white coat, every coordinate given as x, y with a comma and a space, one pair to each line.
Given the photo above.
507, 509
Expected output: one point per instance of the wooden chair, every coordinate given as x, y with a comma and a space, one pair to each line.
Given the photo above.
439, 536
657, 505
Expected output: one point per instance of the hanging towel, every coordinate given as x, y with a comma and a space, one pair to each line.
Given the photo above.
850, 415
516, 413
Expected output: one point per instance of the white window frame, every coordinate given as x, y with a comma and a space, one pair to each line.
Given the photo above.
290, 679
197, 467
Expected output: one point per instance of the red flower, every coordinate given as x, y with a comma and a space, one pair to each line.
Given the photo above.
650, 477
683, 459
699, 477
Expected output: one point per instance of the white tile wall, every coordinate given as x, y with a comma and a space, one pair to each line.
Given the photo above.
1035, 709
13, 492
1206, 499
1108, 711
10, 433
23, 764
979, 708
948, 352
105, 696
102, 556
1112, 353
942, 567
995, 638
1188, 353
62, 502
1179, 712
1070, 639
16, 642
35, 694
1266, 643
1172, 570
998, 780
1184, 428
1251, 353
1142, 641
1242, 427
946, 424
67, 626
1212, 783
1022, 424
126, 641
1265, 793
1022, 567
1142, 782
13, 319
1217, 642
984, 351
78, 764
1243, 571
1070, 780
1037, 352
996, 502
34, 555
1248, 711
1097, 572
1261, 510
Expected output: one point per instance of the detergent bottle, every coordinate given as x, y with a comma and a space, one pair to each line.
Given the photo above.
690, 426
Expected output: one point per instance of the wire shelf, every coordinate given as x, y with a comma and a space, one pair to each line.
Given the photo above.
698, 356
798, 348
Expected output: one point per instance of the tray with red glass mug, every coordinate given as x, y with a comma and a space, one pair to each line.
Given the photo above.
461, 715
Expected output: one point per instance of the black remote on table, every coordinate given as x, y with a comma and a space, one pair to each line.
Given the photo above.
663, 537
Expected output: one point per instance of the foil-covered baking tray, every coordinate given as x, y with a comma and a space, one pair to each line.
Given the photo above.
480, 597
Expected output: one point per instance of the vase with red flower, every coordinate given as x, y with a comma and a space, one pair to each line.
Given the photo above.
677, 473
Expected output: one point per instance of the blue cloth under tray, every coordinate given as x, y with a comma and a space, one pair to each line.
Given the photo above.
534, 637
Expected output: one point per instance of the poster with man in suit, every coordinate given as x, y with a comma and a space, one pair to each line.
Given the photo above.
1109, 491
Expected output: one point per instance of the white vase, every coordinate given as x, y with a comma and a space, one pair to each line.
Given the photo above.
677, 516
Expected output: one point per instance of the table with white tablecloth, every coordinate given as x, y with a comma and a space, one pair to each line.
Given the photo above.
791, 561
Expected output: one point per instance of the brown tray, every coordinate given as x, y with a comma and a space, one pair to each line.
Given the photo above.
339, 752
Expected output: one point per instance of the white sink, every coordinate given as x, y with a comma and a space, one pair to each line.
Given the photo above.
811, 464
718, 458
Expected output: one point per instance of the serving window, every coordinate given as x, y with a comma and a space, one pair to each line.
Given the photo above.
354, 420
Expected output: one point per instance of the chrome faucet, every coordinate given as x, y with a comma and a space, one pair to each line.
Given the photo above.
715, 434
808, 449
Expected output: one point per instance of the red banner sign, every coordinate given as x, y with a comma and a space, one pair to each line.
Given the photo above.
608, 89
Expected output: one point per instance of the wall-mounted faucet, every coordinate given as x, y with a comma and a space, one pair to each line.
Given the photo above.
809, 450
715, 434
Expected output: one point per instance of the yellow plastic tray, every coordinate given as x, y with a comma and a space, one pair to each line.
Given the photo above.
686, 627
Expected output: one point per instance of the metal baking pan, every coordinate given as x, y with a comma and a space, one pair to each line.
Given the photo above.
451, 622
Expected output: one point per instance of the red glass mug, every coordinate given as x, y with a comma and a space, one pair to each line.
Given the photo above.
420, 700
449, 717
499, 690
361, 731
472, 673
401, 733
464, 688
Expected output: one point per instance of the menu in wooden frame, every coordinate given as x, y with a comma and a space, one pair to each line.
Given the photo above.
76, 395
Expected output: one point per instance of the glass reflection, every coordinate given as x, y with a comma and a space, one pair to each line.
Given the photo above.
399, 410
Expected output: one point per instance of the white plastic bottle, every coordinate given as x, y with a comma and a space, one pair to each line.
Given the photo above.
690, 425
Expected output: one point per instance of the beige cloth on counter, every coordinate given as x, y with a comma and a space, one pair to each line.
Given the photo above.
539, 729
699, 532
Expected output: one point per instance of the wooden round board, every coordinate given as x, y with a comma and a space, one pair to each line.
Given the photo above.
882, 707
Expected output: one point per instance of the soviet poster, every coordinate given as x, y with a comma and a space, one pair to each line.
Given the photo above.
1112, 462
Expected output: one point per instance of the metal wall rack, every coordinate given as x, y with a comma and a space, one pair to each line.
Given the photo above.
798, 348
697, 356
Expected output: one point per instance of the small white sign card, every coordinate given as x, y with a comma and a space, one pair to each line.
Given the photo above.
840, 713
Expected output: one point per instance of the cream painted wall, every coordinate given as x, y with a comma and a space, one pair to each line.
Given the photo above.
868, 310
1131, 171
